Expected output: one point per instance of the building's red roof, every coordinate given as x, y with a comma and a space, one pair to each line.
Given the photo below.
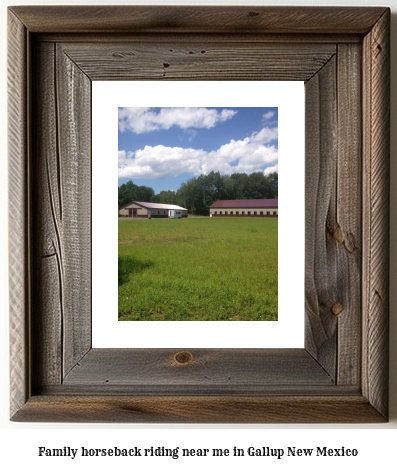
245, 204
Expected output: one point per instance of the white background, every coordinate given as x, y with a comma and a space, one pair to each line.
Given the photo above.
19, 442
288, 331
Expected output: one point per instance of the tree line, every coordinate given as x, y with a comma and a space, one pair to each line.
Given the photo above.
198, 193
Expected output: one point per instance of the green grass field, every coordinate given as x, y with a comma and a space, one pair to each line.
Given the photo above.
211, 269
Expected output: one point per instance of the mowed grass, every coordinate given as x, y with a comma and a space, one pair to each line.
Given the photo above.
211, 269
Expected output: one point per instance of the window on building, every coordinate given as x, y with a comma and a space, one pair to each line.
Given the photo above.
254, 212
215, 212
242, 212
225, 212
220, 212
267, 213
249, 212
261, 213
231, 212
236, 212
274, 213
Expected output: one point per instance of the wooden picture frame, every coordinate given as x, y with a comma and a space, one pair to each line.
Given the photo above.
342, 54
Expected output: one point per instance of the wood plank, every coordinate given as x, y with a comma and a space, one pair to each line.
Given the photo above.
376, 93
203, 368
48, 327
47, 288
348, 223
204, 60
18, 210
199, 409
321, 278
199, 19
62, 208
329, 39
252, 390
73, 108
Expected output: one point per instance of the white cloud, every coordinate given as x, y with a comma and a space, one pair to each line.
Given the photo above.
265, 135
271, 169
140, 120
122, 158
252, 154
268, 115
160, 162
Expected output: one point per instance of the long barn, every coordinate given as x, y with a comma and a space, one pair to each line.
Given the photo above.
139, 209
245, 208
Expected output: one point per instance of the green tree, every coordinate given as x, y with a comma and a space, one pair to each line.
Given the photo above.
126, 193
165, 197
130, 192
273, 185
198, 193
258, 186
143, 193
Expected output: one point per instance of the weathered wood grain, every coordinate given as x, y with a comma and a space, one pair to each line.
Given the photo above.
62, 208
375, 325
321, 261
19, 224
347, 226
73, 89
199, 409
199, 19
346, 290
48, 281
244, 37
206, 368
140, 59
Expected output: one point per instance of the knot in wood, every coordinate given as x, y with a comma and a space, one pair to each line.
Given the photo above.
337, 308
183, 358
338, 235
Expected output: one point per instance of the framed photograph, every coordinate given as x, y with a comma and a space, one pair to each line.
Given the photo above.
342, 56
193, 269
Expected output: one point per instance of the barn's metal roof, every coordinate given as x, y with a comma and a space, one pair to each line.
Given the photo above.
158, 205
257, 203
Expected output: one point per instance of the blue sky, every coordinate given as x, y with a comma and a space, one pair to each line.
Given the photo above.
163, 147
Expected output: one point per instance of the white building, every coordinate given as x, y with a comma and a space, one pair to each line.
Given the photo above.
245, 208
138, 209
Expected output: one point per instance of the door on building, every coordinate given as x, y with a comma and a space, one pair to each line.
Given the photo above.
130, 212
